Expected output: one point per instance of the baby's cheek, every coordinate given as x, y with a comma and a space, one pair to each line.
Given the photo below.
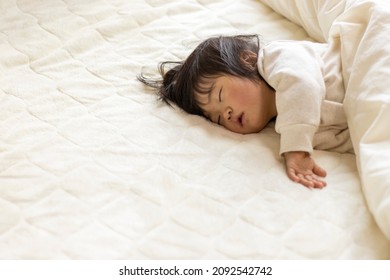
244, 99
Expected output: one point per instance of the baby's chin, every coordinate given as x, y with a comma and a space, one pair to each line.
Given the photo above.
248, 131
253, 131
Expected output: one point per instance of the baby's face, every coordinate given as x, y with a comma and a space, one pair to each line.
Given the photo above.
240, 105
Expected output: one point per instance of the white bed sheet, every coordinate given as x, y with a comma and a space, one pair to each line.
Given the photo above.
93, 167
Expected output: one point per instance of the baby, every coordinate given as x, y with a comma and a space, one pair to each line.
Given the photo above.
242, 86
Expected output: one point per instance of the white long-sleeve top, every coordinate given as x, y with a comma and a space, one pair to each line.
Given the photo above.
309, 92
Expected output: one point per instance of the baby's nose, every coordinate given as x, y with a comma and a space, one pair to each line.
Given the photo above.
227, 115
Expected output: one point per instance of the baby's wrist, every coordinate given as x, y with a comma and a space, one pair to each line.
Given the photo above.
295, 153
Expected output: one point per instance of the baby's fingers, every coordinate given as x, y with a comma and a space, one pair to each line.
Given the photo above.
306, 180
291, 173
319, 171
314, 181
309, 181
299, 178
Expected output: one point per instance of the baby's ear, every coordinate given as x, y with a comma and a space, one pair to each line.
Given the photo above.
249, 59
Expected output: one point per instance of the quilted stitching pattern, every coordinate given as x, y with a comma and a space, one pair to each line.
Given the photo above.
91, 166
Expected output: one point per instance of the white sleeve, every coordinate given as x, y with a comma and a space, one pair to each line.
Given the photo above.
294, 70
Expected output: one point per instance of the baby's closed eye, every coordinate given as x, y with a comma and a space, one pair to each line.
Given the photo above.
220, 100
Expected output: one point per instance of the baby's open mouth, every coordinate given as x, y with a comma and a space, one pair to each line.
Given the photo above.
241, 119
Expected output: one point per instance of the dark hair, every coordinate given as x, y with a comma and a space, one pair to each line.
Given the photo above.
211, 58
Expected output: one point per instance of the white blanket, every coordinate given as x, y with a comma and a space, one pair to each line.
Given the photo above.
363, 31
93, 167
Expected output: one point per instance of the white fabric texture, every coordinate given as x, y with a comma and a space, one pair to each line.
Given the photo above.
315, 16
363, 31
92, 166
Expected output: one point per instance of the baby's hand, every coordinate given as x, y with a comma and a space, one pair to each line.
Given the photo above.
302, 169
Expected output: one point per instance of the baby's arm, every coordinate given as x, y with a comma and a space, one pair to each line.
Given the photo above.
302, 169
294, 70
